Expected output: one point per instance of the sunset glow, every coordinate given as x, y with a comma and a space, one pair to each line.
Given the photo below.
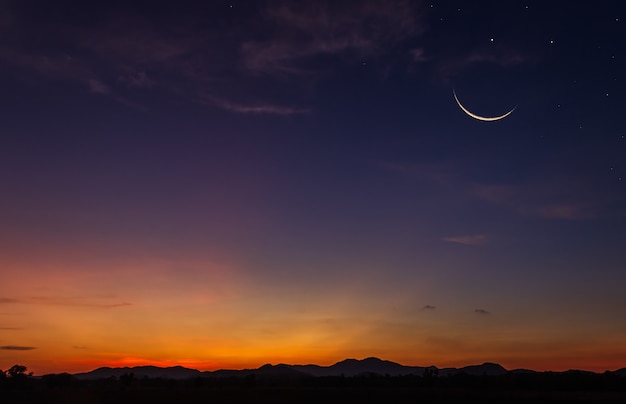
228, 184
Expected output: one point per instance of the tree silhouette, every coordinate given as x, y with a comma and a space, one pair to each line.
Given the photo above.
18, 372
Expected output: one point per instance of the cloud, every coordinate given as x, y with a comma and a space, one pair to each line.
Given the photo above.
6, 300
255, 109
137, 79
64, 301
451, 65
474, 240
98, 87
417, 55
306, 30
557, 197
42, 66
131, 51
544, 199
481, 311
10, 328
73, 301
565, 211
428, 307
17, 348
120, 57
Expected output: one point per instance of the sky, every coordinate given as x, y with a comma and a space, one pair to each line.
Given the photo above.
224, 184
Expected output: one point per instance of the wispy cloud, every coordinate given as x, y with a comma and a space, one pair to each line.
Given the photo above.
10, 328
452, 65
481, 311
137, 79
474, 240
7, 300
98, 87
417, 55
565, 211
255, 109
64, 301
428, 307
557, 197
304, 30
276, 46
545, 200
17, 348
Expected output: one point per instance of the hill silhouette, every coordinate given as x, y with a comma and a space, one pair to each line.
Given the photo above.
346, 368
174, 372
370, 380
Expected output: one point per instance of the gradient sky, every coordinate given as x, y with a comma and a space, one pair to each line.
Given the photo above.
223, 184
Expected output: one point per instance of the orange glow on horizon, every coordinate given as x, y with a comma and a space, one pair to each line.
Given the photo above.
208, 317
86, 365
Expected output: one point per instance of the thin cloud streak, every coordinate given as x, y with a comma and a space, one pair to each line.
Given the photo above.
543, 200
17, 348
255, 109
63, 301
472, 240
7, 300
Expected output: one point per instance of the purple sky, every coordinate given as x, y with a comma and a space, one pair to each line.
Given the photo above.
231, 183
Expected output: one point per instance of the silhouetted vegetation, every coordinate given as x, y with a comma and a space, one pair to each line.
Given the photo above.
16, 376
17, 386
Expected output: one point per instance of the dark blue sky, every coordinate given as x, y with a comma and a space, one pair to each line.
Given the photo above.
277, 158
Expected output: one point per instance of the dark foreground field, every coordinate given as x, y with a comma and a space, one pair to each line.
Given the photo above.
285, 395
541, 388
303, 395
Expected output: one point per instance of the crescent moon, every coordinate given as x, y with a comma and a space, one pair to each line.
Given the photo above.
481, 118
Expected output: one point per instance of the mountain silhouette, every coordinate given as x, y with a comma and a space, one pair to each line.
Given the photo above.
486, 369
346, 368
355, 367
175, 372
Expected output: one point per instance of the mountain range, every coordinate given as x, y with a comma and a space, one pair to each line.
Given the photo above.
347, 368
